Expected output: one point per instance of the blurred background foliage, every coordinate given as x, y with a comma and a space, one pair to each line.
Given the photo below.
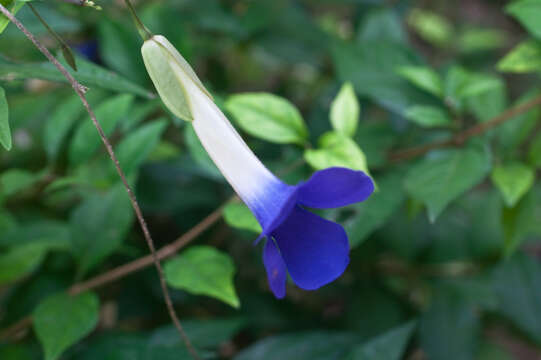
445, 255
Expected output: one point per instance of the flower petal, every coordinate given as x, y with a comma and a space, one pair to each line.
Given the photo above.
315, 250
276, 269
335, 187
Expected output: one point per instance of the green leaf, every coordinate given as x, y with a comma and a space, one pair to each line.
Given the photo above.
517, 284
268, 117
474, 40
449, 329
428, 116
524, 58
522, 221
314, 345
528, 13
203, 270
534, 154
5, 132
14, 180
86, 139
54, 233
388, 346
137, 146
461, 84
432, 27
21, 260
13, 6
345, 111
60, 123
61, 320
513, 180
382, 24
424, 78
336, 150
99, 225
238, 215
374, 212
438, 180
88, 74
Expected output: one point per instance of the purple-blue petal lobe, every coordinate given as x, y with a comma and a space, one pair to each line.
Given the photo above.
314, 250
335, 187
276, 269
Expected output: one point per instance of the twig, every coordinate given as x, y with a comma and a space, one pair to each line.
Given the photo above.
461, 137
79, 89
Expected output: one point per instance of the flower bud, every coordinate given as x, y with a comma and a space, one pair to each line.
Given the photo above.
164, 64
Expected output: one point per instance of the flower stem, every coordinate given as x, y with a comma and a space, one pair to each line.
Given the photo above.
141, 28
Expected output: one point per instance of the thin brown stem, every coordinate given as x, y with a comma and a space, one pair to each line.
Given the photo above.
460, 138
79, 89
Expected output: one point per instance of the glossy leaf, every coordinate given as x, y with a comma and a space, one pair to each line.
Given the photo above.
238, 215
61, 320
86, 140
99, 225
388, 346
336, 150
524, 58
428, 116
513, 180
438, 180
423, 77
528, 13
203, 270
345, 110
5, 132
268, 117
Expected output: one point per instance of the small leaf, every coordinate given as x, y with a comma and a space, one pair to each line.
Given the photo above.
203, 270
5, 132
524, 58
268, 117
388, 346
474, 40
428, 116
61, 320
345, 111
60, 123
336, 150
513, 180
238, 215
137, 146
19, 261
431, 27
14, 180
99, 225
68, 56
423, 77
86, 139
438, 180
528, 13
13, 6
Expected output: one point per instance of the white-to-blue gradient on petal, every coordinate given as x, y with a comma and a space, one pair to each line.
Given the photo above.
262, 192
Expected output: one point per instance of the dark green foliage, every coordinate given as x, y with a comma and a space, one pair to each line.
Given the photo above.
444, 261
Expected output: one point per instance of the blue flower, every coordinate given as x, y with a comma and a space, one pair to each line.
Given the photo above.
313, 250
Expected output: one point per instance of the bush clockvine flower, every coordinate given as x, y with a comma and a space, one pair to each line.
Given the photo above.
314, 251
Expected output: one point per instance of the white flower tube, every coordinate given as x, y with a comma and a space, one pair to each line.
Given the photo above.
184, 94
